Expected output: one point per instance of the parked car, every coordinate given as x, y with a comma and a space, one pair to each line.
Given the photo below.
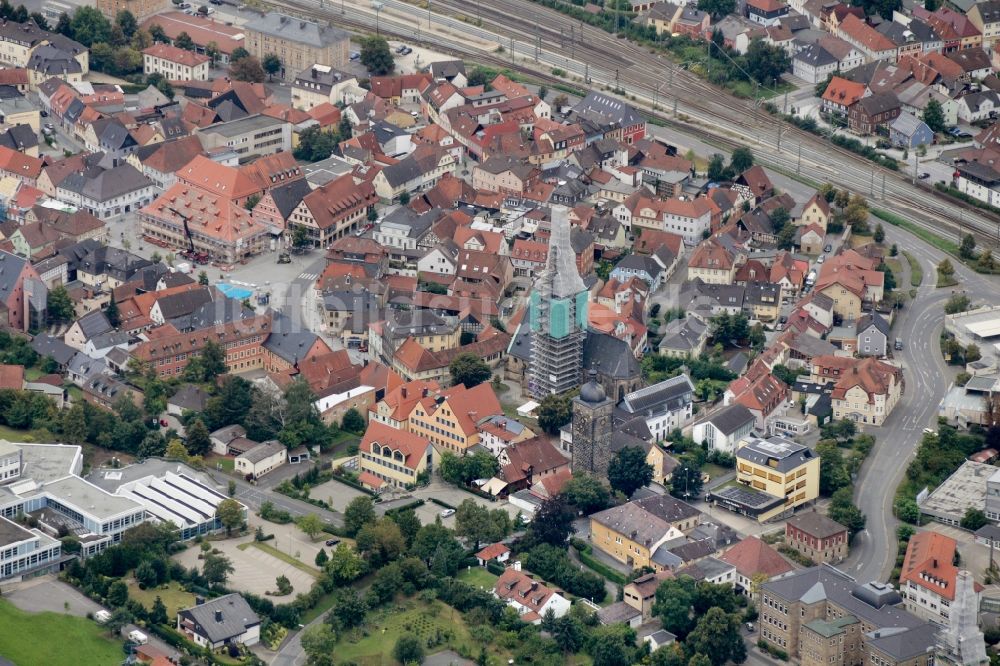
355, 55
899, 343
924, 175
332, 542
43, 113
407, 50
447, 512
401, 49
828, 248
821, 259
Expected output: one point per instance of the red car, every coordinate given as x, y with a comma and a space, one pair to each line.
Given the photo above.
163, 422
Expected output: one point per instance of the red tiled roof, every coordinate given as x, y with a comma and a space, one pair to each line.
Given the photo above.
752, 556
410, 445
492, 550
176, 55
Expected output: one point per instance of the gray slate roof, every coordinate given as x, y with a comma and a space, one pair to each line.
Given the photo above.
730, 419
297, 30
93, 324
786, 454
237, 616
287, 341
263, 451
668, 395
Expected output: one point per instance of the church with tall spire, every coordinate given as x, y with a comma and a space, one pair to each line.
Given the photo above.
558, 316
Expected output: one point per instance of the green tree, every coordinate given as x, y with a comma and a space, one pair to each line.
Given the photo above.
880, 234
833, 474
89, 26
74, 424
247, 69
843, 510
216, 568
310, 524
717, 8
462, 470
973, 519
376, 56
469, 369
315, 144
967, 250
125, 20
628, 470
612, 645
408, 524
319, 642
907, 510
779, 218
213, 361
945, 268
239, 53
117, 594
203, 278
64, 26
353, 421
686, 481
176, 451
184, 41
717, 167
199, 442
933, 115
586, 493
146, 575
766, 63
359, 512
786, 237
475, 522
957, 303
381, 542
230, 514
741, 160
552, 524
158, 613
283, 585
673, 605
717, 635
345, 565
321, 558
408, 650
212, 51
554, 411
59, 305
112, 313
272, 65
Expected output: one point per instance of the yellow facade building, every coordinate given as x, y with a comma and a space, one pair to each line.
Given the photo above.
785, 475
450, 419
634, 532
394, 457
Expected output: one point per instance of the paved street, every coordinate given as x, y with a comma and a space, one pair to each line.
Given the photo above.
927, 379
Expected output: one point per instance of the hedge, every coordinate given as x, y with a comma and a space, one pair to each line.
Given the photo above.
442, 503
353, 484
600, 567
412, 505
495, 568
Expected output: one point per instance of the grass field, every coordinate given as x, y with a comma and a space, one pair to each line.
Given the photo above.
53, 639
478, 577
284, 557
916, 270
174, 597
410, 617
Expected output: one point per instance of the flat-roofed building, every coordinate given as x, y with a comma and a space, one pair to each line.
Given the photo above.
253, 136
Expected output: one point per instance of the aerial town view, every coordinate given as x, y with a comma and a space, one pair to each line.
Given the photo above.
465, 332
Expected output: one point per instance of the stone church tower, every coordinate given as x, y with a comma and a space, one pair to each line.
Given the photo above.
592, 424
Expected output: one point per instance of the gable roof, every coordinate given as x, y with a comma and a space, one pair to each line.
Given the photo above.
752, 556
410, 445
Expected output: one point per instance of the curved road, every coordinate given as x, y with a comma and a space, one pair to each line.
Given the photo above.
927, 378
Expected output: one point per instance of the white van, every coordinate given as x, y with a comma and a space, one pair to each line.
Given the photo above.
138, 637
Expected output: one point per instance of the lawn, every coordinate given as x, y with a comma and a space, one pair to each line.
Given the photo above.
221, 462
284, 557
410, 617
68, 641
478, 577
174, 597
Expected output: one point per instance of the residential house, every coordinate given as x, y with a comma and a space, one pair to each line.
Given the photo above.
532, 600
986, 17
756, 562
261, 459
334, 210
909, 132
873, 335
873, 114
724, 428
22, 294
633, 532
174, 63
220, 622
395, 457
322, 84
928, 578
766, 12
841, 94
448, 420
978, 106
867, 392
665, 406
201, 29
817, 537
874, 45
713, 262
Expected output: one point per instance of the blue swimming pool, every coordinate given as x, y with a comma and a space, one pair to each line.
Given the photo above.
232, 291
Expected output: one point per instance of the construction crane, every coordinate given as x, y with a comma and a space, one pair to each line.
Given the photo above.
187, 230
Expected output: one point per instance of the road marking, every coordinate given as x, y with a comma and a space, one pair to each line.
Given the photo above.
308, 276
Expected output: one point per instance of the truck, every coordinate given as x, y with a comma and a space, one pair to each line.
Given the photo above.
138, 637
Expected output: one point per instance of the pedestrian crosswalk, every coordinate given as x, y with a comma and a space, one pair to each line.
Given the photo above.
308, 276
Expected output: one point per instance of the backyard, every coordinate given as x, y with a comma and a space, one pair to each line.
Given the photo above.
478, 577
433, 622
71, 640
173, 597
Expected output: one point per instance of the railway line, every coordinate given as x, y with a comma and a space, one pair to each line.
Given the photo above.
528, 31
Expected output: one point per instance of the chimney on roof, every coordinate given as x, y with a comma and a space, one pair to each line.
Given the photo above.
403, 391
218, 616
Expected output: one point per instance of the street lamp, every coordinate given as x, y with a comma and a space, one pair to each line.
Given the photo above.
377, 6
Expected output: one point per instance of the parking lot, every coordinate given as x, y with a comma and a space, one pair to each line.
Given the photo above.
337, 494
